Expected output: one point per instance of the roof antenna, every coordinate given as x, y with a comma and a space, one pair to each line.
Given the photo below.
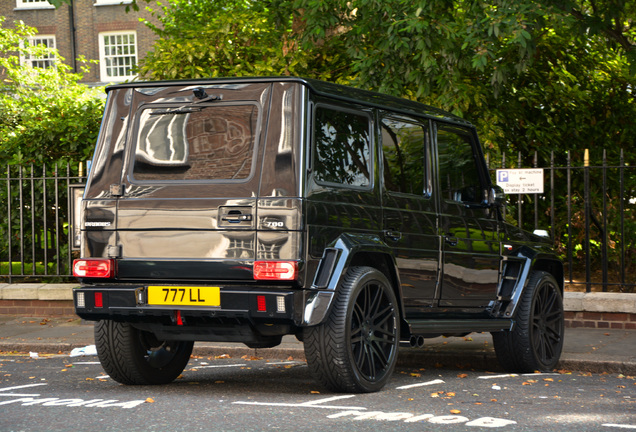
199, 93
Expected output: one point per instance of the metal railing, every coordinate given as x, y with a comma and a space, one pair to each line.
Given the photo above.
36, 241
588, 210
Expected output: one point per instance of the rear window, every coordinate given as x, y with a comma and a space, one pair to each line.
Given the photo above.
192, 143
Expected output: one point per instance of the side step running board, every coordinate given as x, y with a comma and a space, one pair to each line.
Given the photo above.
437, 326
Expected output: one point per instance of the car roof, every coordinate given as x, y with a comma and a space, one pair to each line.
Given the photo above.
323, 89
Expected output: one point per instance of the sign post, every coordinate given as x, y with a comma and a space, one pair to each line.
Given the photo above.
521, 181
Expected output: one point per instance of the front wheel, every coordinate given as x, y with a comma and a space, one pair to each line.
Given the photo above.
356, 348
536, 341
133, 356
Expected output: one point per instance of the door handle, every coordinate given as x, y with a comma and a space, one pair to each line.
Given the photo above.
451, 241
393, 235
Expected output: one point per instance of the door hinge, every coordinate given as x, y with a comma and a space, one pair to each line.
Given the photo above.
117, 190
114, 251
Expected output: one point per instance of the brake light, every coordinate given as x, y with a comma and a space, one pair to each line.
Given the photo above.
275, 270
93, 268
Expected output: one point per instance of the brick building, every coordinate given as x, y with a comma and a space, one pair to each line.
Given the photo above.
97, 29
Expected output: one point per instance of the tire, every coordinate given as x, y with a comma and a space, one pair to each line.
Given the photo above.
355, 350
536, 342
136, 357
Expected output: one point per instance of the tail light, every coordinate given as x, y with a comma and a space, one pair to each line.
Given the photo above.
275, 270
93, 268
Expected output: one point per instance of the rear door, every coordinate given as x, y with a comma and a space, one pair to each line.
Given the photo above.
409, 214
469, 230
188, 204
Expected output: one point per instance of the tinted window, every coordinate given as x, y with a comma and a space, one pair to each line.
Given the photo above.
458, 173
404, 148
196, 143
342, 147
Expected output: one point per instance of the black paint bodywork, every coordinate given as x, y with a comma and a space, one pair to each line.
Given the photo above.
456, 267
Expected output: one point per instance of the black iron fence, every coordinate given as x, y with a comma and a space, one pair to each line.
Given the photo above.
37, 240
587, 208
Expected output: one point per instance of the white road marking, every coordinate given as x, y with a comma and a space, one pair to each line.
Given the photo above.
428, 383
308, 404
86, 363
497, 376
430, 418
20, 387
620, 426
218, 366
286, 363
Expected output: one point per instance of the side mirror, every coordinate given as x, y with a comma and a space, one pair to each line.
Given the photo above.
497, 196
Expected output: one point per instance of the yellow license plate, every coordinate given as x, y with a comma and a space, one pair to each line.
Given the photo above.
184, 296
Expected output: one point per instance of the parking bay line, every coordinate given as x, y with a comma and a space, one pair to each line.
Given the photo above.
21, 387
310, 404
420, 384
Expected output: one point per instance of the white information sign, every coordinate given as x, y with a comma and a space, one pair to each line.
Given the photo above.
521, 181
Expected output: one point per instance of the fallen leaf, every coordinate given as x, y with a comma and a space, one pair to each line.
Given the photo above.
290, 358
548, 379
493, 400
251, 357
462, 376
416, 375
90, 379
315, 392
450, 394
150, 400
468, 339
455, 411
411, 399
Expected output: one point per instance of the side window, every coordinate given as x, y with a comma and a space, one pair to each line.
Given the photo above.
342, 142
458, 172
405, 148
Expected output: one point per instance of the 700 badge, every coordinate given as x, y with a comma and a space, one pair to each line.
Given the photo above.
184, 296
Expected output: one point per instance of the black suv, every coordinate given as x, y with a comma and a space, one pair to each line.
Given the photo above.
246, 209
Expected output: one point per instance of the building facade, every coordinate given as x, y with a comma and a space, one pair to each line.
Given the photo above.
99, 30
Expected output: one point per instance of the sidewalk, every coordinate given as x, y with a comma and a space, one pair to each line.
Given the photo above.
585, 349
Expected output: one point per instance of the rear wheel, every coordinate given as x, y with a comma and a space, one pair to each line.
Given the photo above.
536, 341
355, 349
133, 356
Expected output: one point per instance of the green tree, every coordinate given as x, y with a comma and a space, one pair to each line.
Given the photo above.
46, 115
523, 71
46, 118
209, 38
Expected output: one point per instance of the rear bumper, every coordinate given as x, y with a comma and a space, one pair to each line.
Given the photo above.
246, 314
130, 303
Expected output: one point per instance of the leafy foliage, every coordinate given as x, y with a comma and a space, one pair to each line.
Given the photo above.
46, 116
201, 38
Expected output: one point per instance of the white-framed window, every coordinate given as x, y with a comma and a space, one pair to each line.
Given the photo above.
117, 55
112, 2
33, 4
44, 61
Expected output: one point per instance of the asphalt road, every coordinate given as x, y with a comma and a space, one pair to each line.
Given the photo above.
62, 393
